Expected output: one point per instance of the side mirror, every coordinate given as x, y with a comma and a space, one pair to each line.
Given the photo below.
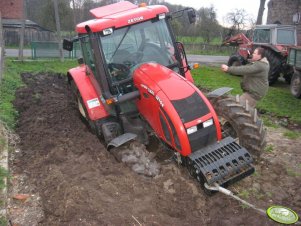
191, 16
67, 45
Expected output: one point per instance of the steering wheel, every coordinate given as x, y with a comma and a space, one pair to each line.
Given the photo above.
119, 71
134, 58
152, 52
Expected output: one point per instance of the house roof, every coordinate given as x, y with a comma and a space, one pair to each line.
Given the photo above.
17, 23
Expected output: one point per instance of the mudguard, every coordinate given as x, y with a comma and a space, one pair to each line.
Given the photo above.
91, 98
122, 139
219, 92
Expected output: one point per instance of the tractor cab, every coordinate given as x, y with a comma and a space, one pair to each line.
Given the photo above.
128, 47
275, 34
121, 38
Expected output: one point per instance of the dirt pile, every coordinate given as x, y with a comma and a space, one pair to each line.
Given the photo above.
80, 183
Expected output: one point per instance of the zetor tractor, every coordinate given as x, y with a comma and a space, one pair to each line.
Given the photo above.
134, 83
275, 39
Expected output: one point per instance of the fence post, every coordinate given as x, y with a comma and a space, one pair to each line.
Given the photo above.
1, 50
22, 33
58, 29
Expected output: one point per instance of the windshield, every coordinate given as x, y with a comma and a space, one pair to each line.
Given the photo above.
261, 36
130, 46
286, 37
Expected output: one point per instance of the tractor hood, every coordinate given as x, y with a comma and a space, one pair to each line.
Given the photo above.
159, 78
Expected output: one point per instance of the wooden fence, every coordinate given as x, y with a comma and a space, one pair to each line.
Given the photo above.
12, 36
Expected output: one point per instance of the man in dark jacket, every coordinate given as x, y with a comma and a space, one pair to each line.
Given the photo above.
255, 82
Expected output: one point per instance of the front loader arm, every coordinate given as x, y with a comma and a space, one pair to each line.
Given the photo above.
236, 40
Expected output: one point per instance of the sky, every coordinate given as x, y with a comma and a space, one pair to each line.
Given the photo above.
225, 6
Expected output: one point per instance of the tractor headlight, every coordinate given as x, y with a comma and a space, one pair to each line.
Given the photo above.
208, 123
192, 129
205, 124
161, 16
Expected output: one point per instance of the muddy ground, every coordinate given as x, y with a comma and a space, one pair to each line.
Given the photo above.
72, 180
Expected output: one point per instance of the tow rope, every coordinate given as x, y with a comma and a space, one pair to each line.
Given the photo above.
281, 210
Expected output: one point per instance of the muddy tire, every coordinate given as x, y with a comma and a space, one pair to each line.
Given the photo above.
241, 124
295, 86
275, 65
79, 105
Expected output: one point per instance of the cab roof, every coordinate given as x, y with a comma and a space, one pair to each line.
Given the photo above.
119, 15
268, 26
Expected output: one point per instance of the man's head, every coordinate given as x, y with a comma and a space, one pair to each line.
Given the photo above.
258, 54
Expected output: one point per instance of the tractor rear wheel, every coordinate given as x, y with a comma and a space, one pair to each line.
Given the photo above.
296, 85
275, 65
241, 124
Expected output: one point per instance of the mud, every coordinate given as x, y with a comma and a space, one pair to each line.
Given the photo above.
73, 180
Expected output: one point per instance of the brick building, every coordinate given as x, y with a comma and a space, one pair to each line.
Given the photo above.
285, 12
11, 9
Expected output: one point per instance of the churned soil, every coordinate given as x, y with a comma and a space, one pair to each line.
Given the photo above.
71, 179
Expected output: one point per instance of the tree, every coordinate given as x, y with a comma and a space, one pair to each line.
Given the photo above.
260, 12
237, 19
42, 12
208, 26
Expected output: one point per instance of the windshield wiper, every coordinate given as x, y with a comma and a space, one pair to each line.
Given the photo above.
125, 33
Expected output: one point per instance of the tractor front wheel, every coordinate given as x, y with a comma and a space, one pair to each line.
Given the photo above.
235, 60
241, 124
79, 104
275, 65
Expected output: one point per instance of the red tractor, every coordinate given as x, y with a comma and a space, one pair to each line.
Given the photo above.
276, 39
134, 83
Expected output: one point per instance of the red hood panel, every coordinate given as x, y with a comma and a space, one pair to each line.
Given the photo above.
173, 85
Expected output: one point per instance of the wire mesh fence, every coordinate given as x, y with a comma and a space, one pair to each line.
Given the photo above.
51, 50
209, 49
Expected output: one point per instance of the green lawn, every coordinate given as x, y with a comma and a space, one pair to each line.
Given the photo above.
278, 101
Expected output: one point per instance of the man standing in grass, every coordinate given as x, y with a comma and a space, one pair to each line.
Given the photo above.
255, 82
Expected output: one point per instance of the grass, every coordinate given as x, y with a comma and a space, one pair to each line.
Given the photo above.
245, 194
197, 39
3, 174
292, 173
278, 102
2, 143
268, 122
269, 148
3, 221
292, 134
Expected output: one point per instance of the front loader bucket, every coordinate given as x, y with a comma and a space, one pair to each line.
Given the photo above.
223, 162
